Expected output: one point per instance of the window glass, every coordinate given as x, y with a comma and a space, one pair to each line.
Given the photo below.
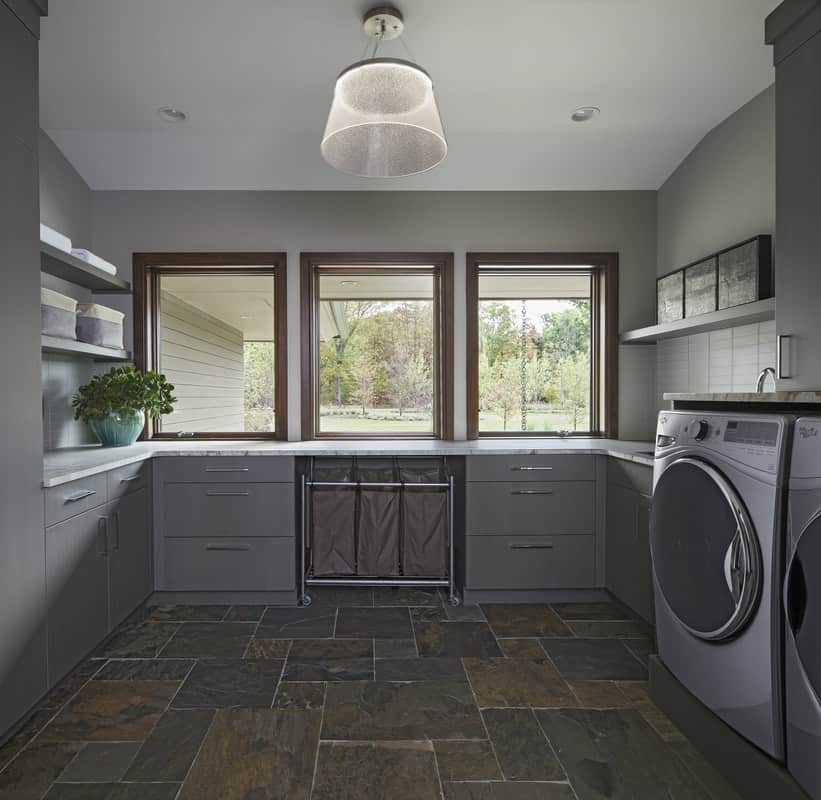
534, 351
377, 351
215, 343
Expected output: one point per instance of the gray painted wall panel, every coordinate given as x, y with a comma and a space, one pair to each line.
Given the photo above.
128, 222
22, 544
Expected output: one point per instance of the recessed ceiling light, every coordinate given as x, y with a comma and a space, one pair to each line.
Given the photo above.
171, 114
349, 283
585, 113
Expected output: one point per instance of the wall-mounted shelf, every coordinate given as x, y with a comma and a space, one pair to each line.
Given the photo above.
75, 270
748, 314
70, 347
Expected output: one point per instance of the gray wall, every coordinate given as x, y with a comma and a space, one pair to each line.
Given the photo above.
22, 544
65, 199
205, 360
128, 222
724, 191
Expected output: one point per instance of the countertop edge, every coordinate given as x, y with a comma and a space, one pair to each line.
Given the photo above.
57, 475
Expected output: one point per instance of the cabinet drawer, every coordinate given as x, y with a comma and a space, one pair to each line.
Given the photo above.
531, 508
228, 509
128, 479
530, 562
227, 469
229, 565
70, 499
631, 475
559, 467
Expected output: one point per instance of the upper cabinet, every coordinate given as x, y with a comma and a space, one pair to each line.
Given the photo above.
794, 29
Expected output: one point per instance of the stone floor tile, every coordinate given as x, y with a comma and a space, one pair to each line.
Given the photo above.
140, 641
517, 682
377, 771
111, 711
465, 613
188, 613
169, 750
395, 648
374, 623
140, 669
230, 683
379, 711
30, 774
340, 596
210, 640
523, 751
467, 761
400, 596
100, 762
616, 753
312, 622
510, 790
521, 648
591, 611
609, 629
420, 669
24, 733
71, 684
256, 753
455, 639
268, 648
304, 696
594, 659
245, 614
524, 619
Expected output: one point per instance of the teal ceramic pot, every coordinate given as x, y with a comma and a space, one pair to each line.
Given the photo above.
118, 430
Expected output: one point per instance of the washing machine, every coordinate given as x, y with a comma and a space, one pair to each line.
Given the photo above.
802, 601
717, 544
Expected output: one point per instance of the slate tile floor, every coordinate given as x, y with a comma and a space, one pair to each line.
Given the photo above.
364, 695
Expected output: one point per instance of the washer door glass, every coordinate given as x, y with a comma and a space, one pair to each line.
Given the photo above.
804, 602
705, 553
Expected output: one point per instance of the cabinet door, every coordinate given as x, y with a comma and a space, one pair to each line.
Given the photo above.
644, 585
129, 545
77, 590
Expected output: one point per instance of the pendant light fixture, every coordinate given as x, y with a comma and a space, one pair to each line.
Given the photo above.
384, 121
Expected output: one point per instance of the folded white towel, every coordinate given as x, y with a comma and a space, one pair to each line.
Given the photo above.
95, 261
54, 238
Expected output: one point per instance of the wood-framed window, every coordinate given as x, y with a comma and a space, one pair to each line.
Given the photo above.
542, 344
215, 324
377, 345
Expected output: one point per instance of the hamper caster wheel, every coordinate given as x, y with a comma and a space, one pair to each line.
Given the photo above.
306, 600
455, 601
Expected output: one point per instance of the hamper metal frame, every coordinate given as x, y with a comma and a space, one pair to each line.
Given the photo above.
307, 580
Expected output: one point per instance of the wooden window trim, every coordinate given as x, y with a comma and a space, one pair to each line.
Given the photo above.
605, 330
443, 332
147, 267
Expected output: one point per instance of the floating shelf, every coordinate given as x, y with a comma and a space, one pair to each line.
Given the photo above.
748, 314
75, 270
70, 347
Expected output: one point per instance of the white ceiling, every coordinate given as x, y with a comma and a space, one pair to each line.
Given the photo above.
256, 78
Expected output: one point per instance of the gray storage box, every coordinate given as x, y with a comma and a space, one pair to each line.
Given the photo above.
57, 314
99, 325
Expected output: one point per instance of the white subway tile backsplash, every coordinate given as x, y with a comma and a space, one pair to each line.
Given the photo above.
726, 360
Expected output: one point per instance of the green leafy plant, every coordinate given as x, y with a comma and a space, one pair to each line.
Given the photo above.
124, 391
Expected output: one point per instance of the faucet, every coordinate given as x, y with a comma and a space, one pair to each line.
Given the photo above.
762, 379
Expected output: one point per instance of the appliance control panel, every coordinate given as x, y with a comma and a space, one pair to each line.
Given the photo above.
752, 439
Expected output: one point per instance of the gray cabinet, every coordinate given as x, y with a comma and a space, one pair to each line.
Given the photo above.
225, 524
627, 537
795, 30
77, 590
531, 523
129, 554
98, 566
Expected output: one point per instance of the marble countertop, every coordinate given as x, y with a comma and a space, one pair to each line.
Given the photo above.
747, 397
62, 466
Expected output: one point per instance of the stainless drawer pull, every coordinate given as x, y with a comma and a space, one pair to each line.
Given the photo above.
116, 545
227, 494
228, 547
531, 547
102, 536
531, 469
226, 469
532, 491
132, 478
73, 498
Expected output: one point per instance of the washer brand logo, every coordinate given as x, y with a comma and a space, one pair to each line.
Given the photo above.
806, 432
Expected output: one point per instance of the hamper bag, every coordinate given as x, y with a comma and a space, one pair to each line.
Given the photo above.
378, 537
333, 520
424, 520
57, 314
100, 325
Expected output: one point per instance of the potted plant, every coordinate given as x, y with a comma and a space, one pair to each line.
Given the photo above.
115, 404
